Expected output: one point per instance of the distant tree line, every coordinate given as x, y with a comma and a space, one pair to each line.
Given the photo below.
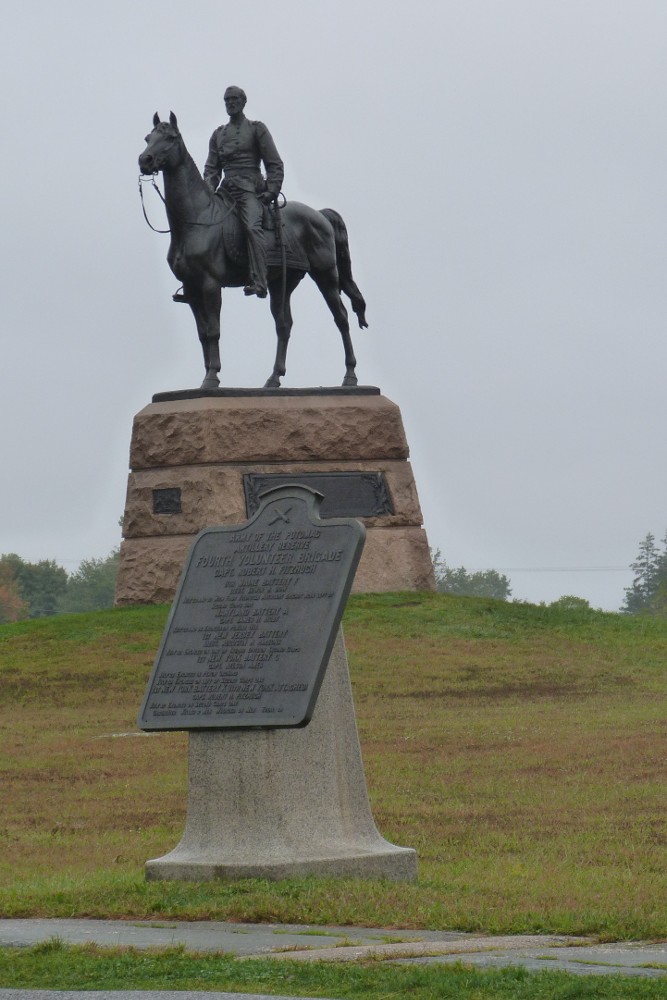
482, 583
35, 590
647, 594
491, 583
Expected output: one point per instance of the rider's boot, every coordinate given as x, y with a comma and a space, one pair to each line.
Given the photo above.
256, 284
252, 288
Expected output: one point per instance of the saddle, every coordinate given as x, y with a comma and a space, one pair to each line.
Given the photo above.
235, 244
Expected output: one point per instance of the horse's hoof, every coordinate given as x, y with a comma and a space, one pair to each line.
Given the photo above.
211, 382
350, 380
272, 383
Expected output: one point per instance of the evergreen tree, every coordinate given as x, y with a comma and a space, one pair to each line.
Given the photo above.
650, 567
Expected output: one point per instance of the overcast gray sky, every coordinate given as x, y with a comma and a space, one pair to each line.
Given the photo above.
501, 167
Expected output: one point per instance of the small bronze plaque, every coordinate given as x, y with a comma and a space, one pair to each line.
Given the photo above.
254, 619
346, 494
167, 501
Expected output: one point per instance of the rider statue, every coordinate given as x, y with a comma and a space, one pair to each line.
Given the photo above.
235, 153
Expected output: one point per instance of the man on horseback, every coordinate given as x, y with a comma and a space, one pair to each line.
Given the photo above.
235, 153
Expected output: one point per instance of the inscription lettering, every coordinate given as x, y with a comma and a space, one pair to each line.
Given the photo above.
254, 620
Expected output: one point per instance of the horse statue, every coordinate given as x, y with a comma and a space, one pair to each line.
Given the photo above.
207, 253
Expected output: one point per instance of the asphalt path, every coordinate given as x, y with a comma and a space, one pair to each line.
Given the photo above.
292, 942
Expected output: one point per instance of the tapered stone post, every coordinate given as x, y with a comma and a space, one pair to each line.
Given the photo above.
284, 802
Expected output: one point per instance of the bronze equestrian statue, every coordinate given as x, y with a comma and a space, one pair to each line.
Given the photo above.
208, 251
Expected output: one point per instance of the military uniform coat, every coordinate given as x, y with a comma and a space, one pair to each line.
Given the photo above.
237, 150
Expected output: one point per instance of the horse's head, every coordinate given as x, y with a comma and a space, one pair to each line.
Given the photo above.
164, 146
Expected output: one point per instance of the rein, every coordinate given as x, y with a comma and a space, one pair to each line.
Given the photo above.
142, 177
145, 177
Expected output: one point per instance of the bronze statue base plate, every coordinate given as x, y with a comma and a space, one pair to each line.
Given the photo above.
334, 390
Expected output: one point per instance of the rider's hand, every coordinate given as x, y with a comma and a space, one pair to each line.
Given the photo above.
267, 197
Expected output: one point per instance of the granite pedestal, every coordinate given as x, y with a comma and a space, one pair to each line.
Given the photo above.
193, 455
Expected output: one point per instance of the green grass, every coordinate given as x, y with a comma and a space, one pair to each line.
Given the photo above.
521, 750
53, 965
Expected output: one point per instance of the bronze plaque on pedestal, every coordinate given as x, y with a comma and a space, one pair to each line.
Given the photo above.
345, 494
254, 619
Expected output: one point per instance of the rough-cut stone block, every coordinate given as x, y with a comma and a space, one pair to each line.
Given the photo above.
284, 802
393, 559
149, 569
273, 429
213, 494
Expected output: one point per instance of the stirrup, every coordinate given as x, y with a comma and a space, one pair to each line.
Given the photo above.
180, 296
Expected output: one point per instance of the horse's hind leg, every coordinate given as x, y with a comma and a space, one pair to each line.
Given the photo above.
282, 316
351, 289
344, 264
327, 282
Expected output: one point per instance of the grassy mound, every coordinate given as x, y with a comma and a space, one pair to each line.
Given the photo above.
521, 750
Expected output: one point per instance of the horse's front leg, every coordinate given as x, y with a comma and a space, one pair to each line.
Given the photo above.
212, 362
205, 303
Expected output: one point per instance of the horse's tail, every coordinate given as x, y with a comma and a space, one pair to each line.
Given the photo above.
346, 282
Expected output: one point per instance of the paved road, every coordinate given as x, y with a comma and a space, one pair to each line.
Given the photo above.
291, 942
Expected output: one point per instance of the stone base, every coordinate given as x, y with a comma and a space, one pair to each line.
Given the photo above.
201, 448
392, 560
395, 865
280, 803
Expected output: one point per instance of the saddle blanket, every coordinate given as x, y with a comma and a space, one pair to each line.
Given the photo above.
235, 242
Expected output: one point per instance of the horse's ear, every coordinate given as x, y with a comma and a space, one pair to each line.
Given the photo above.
173, 120
156, 119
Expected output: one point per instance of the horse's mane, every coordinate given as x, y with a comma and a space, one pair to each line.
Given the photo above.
216, 202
